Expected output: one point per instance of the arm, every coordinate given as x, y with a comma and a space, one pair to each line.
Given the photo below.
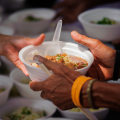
104, 95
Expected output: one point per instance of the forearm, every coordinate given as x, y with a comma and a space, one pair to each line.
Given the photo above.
104, 95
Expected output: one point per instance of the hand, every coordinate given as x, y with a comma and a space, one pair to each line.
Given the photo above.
10, 46
57, 87
70, 9
103, 65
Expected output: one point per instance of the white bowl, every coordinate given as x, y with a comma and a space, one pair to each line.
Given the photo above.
16, 103
101, 32
100, 114
50, 48
6, 30
16, 75
55, 119
34, 27
7, 84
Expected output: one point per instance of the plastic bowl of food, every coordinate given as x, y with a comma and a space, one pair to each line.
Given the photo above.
76, 113
101, 23
52, 49
27, 109
22, 84
31, 21
5, 87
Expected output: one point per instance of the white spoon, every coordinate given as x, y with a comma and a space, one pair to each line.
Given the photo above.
55, 42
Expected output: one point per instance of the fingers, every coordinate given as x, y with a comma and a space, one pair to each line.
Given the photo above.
20, 42
50, 65
36, 86
37, 41
12, 54
88, 42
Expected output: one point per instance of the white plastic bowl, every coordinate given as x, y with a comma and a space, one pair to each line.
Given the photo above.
50, 48
101, 32
16, 75
7, 84
6, 30
100, 114
16, 103
34, 27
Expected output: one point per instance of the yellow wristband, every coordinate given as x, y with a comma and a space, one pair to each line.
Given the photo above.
76, 89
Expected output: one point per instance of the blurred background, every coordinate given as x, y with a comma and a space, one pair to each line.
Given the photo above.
99, 19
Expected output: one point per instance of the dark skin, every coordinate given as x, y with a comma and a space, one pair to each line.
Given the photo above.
104, 94
70, 9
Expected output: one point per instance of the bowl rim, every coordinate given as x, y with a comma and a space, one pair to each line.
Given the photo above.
97, 111
80, 18
31, 46
30, 9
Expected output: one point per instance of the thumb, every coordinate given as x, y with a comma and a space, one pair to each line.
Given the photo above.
86, 41
36, 41
36, 86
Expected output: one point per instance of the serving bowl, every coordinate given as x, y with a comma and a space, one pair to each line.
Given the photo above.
55, 119
31, 26
100, 114
52, 48
17, 77
38, 105
103, 32
6, 84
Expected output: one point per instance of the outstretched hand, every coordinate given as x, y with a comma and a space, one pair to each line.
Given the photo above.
103, 65
10, 46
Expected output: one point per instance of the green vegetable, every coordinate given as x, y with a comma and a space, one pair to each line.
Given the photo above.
2, 90
59, 57
78, 109
31, 18
26, 111
105, 20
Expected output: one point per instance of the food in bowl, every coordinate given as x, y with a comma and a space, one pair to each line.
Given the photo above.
25, 80
2, 89
24, 113
31, 18
79, 110
70, 61
105, 21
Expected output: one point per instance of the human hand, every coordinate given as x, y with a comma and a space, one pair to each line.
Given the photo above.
10, 46
57, 87
103, 66
70, 9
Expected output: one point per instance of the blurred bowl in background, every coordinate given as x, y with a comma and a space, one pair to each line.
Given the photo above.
5, 87
37, 105
22, 84
31, 21
6, 30
100, 114
103, 32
